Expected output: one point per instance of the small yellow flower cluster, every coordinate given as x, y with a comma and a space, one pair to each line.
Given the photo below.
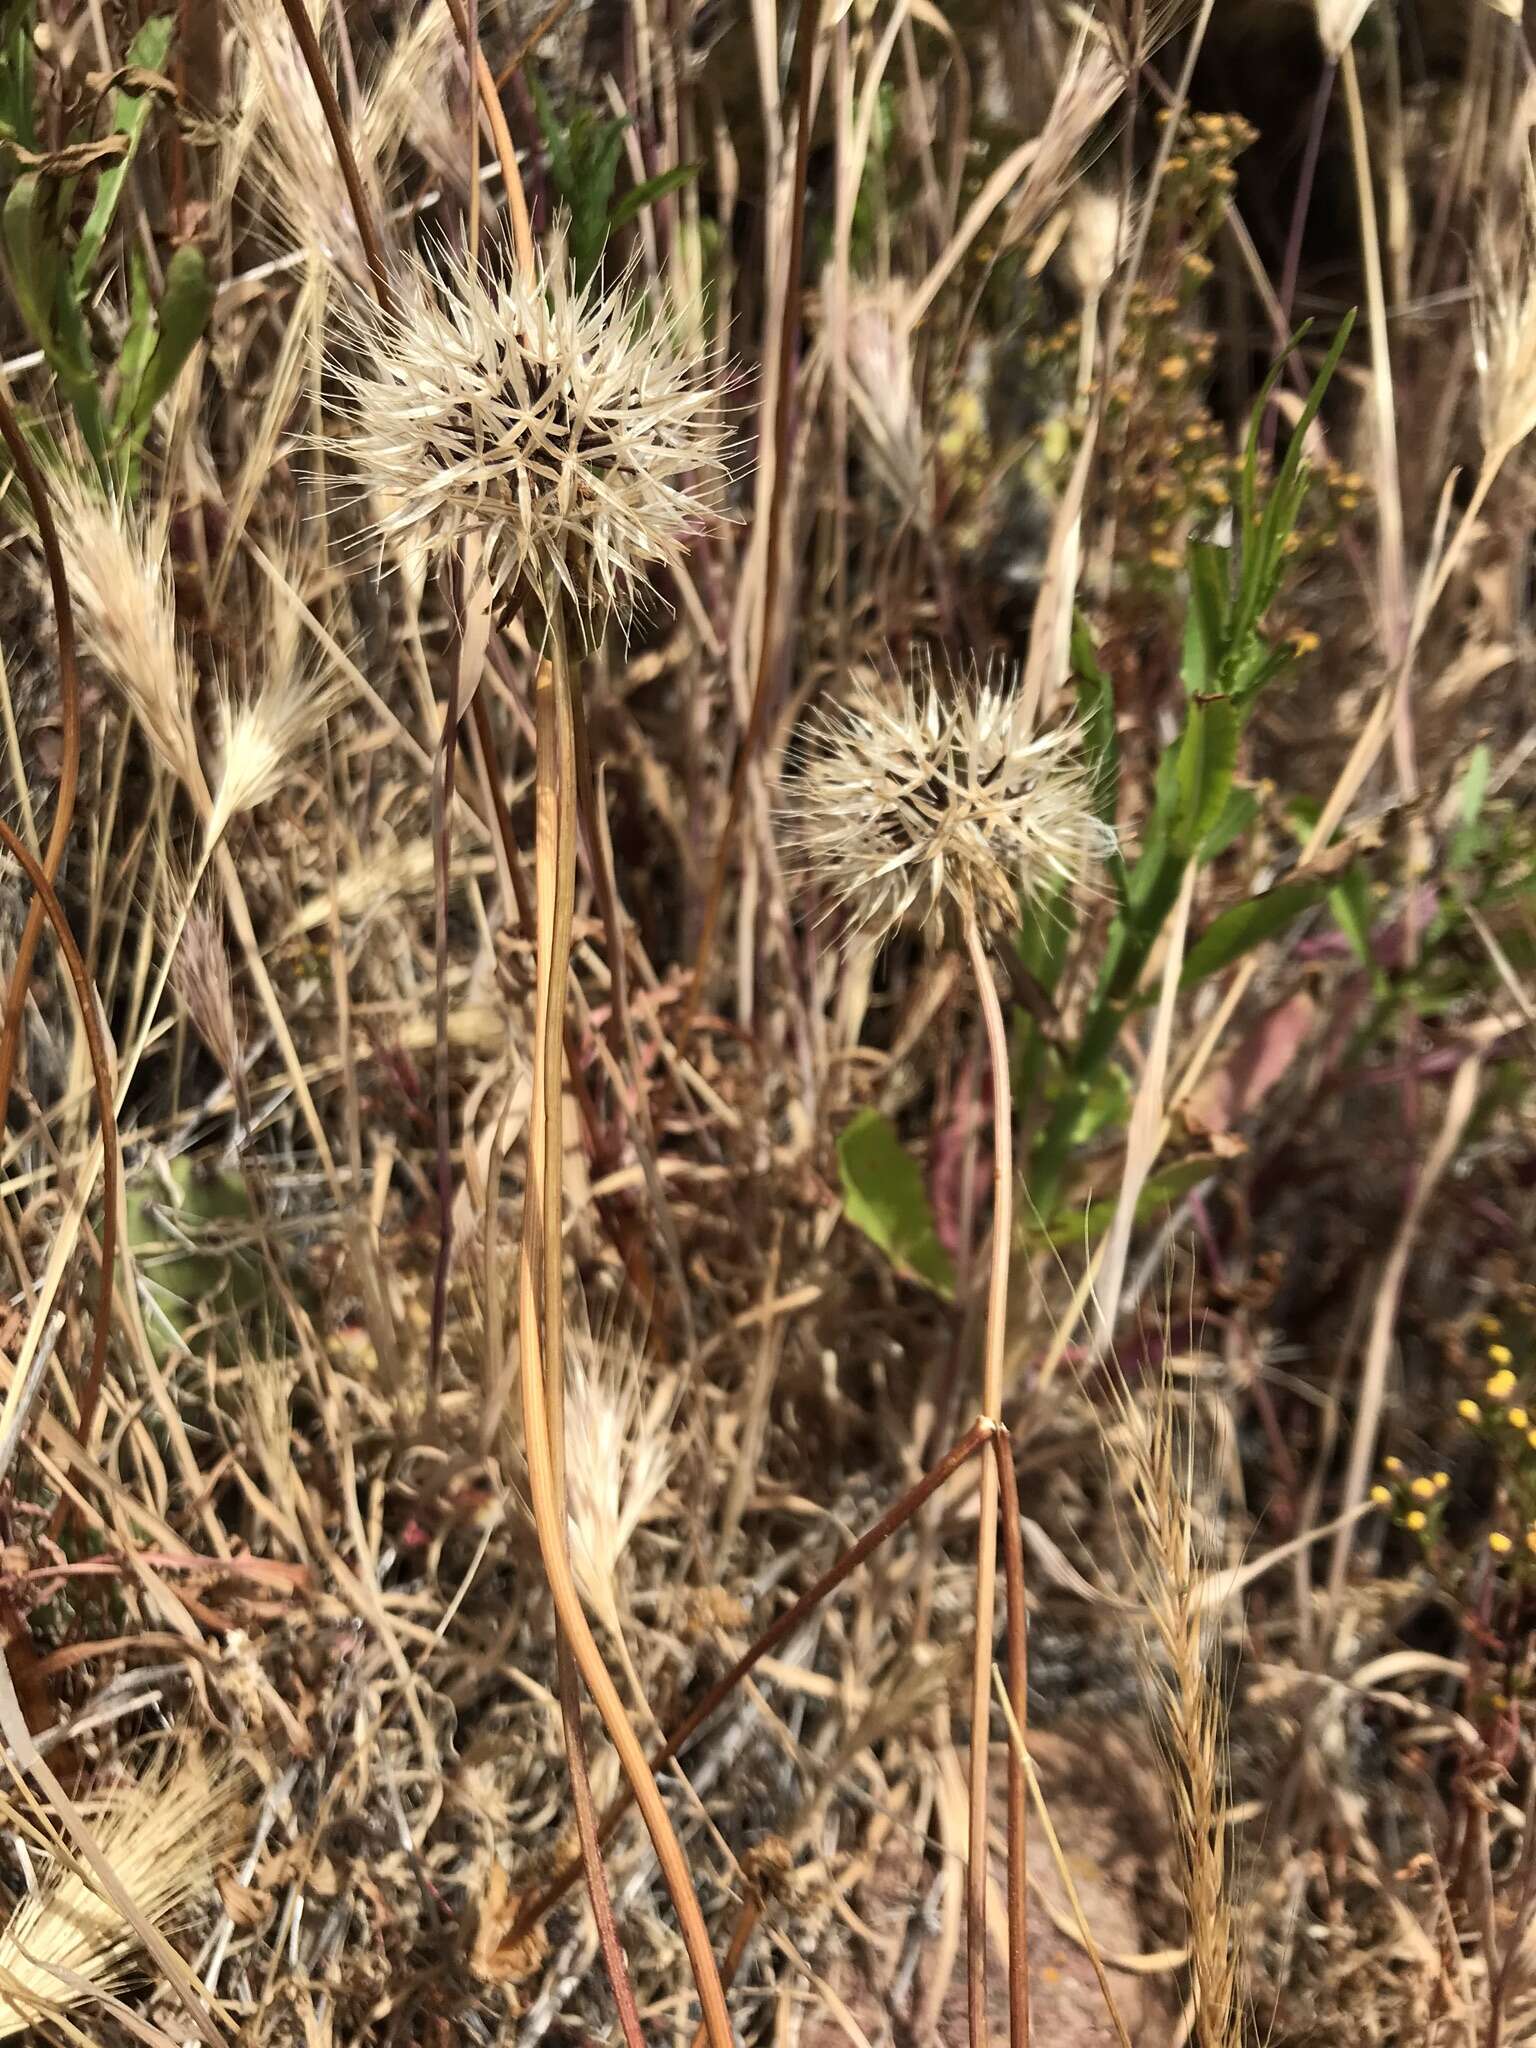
1417, 1501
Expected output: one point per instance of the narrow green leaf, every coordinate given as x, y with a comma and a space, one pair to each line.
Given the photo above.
1349, 900
130, 112
1474, 790
639, 197
1246, 925
1205, 624
883, 1195
32, 254
1237, 814
183, 314
1096, 713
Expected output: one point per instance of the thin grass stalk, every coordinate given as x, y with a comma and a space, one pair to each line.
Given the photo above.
487, 87
542, 1903
778, 508
1018, 1796
69, 761
101, 1079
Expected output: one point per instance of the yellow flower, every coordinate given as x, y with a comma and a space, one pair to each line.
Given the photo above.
1500, 1354
1499, 1543
1469, 1411
1391, 1464
1382, 1495
1530, 1539
1518, 1419
1423, 1489
1442, 1481
1489, 1325
1416, 1520
1502, 1383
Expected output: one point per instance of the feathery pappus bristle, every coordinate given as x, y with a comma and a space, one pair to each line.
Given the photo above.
914, 802
555, 421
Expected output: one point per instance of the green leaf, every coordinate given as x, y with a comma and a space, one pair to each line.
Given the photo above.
1246, 925
883, 1195
639, 197
1474, 790
31, 254
16, 73
193, 1236
1205, 624
1237, 814
130, 112
182, 316
1349, 900
1071, 1228
1207, 761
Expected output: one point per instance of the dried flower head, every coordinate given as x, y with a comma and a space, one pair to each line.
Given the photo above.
266, 730
162, 1836
911, 803
556, 422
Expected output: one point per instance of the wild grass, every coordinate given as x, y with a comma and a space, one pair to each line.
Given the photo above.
723, 732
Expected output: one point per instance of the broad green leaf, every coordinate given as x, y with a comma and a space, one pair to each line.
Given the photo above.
1246, 925
883, 1195
130, 112
193, 1238
1207, 760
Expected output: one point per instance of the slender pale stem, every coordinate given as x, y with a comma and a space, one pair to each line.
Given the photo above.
987, 1511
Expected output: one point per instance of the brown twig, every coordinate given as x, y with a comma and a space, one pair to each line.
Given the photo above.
69, 765
501, 137
325, 91
778, 504
52, 910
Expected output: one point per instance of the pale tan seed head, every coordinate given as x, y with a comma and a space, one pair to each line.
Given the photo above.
1504, 330
557, 423
933, 801
620, 1451
125, 610
1337, 21
163, 1837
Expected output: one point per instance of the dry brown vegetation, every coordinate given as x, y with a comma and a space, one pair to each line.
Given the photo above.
769, 956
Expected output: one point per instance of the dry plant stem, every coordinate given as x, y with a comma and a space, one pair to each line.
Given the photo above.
916, 1497
69, 764
541, 1322
778, 505
101, 1079
592, 1854
501, 137
746, 1926
1018, 1694
335, 120
986, 1526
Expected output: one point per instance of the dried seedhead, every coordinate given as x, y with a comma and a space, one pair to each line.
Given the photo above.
620, 1450
557, 423
915, 803
162, 1836
1504, 334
